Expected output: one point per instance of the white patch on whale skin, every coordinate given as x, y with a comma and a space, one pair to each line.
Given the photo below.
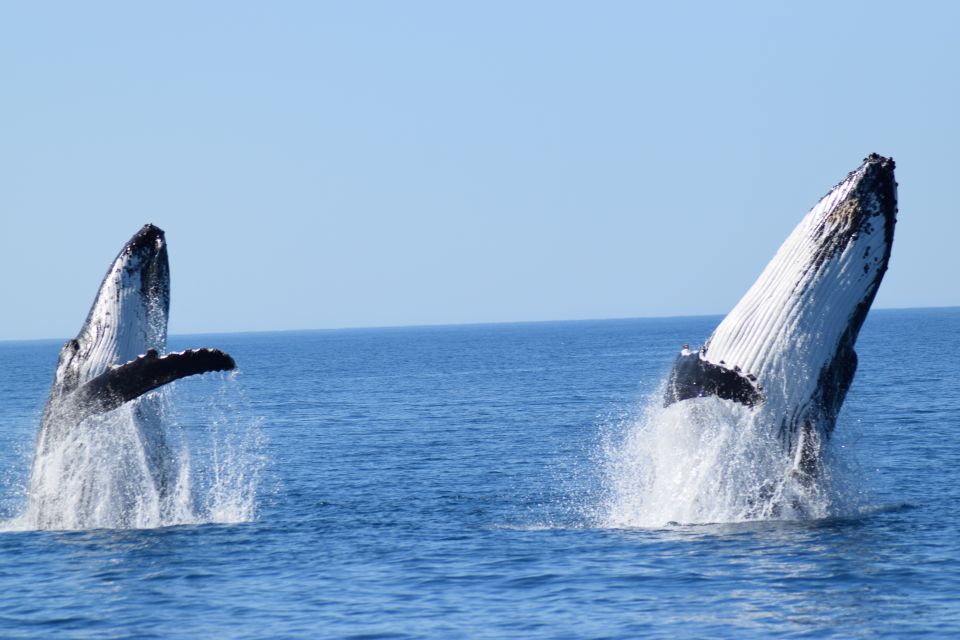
789, 325
123, 322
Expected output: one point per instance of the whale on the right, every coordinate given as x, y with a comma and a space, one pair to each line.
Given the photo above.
787, 348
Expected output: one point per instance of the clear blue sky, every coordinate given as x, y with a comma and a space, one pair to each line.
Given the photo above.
385, 163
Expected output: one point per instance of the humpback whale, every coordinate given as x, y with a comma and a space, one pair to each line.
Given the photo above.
115, 359
787, 348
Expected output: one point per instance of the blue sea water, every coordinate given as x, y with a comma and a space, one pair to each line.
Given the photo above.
463, 481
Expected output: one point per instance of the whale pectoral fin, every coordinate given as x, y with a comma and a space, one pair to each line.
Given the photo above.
694, 377
131, 380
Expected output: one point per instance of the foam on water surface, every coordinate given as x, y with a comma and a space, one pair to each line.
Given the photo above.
104, 472
709, 460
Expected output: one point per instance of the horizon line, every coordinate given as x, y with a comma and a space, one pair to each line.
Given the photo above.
430, 325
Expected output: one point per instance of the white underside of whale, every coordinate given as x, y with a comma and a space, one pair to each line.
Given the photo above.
122, 324
788, 326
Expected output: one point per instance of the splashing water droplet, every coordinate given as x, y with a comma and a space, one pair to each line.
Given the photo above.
151, 464
707, 460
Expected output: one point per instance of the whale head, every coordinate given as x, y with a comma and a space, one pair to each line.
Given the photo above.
128, 316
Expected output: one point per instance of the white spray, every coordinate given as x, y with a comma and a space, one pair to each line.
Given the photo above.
710, 460
100, 475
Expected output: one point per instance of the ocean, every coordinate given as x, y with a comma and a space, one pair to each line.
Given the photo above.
500, 481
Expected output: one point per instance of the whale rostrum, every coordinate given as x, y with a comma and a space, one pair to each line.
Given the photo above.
787, 347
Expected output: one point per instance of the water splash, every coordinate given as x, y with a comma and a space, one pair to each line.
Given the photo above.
149, 463
710, 460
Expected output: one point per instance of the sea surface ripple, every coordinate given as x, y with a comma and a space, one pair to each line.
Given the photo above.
455, 482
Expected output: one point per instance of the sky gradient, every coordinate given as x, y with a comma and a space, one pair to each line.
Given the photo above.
320, 165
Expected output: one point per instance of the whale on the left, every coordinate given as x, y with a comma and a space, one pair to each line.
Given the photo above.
117, 357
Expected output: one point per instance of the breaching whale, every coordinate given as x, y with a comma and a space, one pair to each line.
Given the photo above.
787, 348
115, 359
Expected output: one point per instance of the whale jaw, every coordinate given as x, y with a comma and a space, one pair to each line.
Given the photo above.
790, 340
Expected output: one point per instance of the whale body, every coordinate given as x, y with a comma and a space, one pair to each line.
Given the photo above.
114, 360
787, 347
